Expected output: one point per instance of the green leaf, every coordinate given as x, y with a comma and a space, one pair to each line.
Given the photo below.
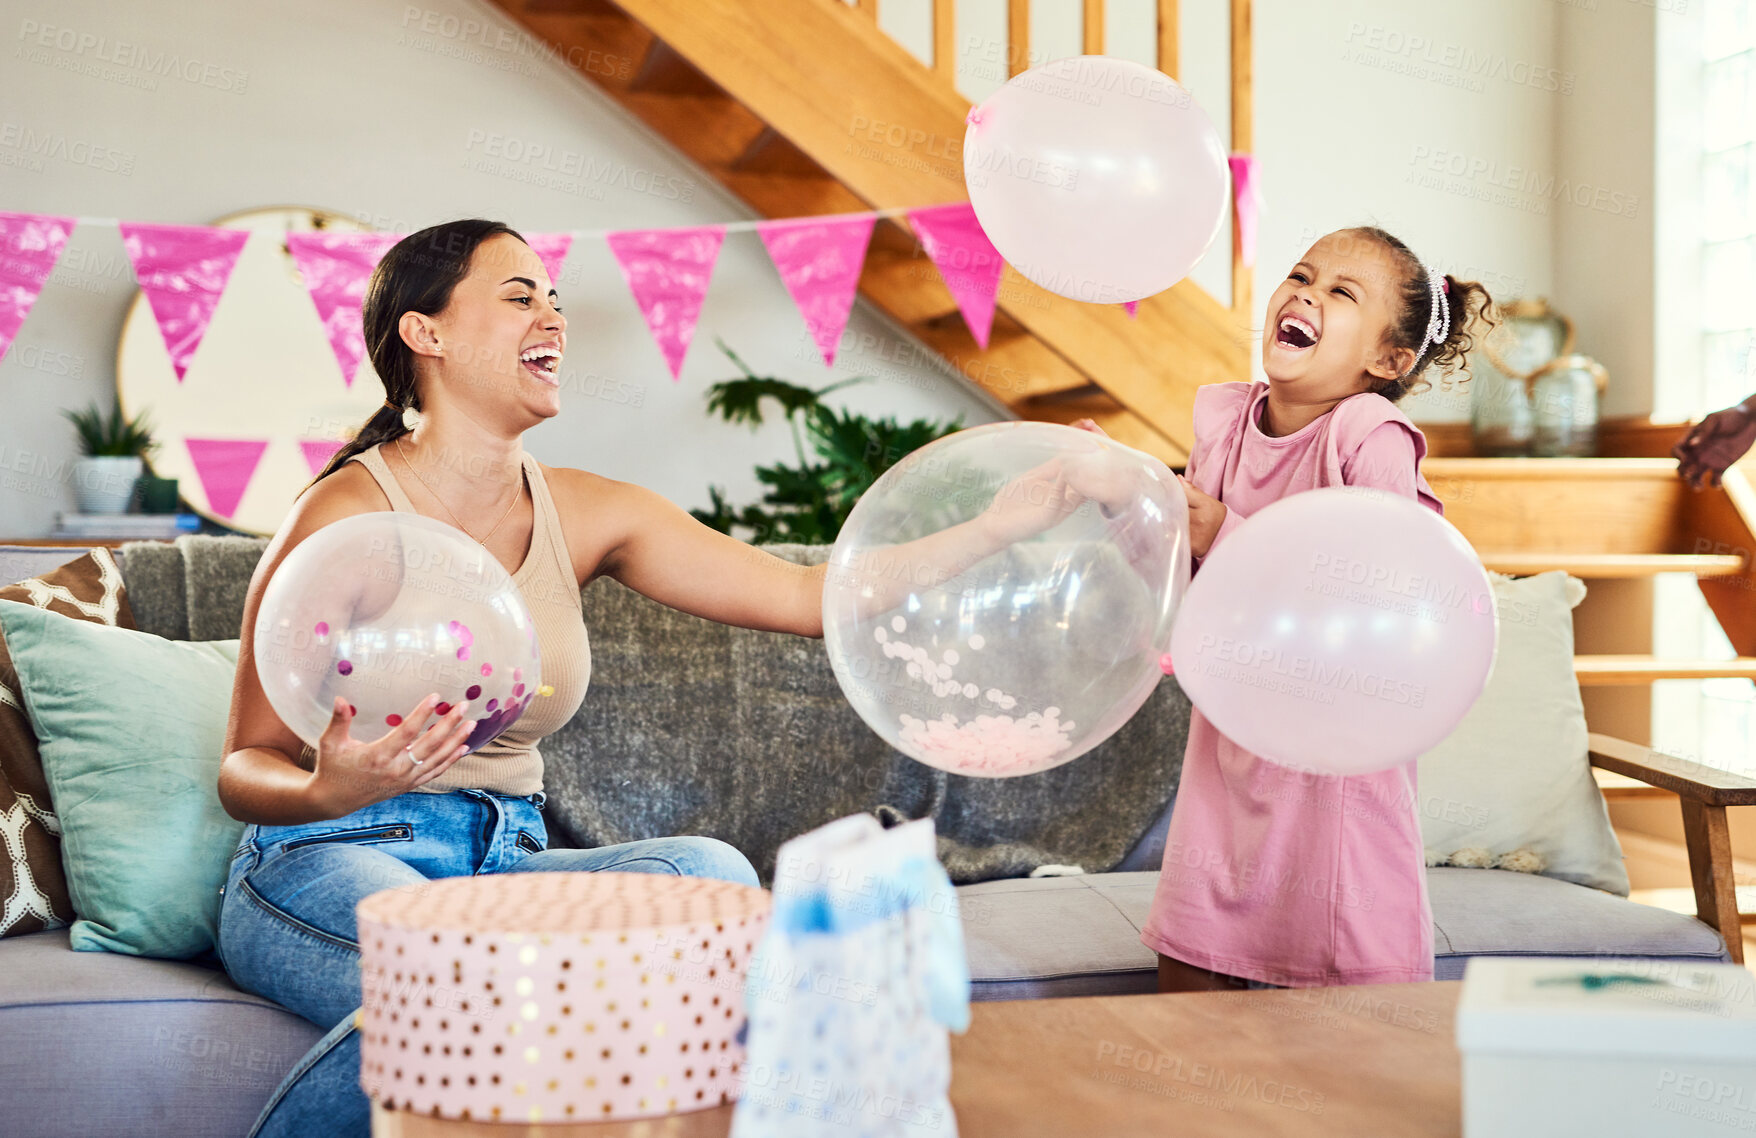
740, 400
102, 435
810, 501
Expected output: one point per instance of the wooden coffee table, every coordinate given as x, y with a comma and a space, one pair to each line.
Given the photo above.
1376, 1060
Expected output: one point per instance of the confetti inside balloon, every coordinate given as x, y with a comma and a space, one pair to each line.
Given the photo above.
997, 661
385, 608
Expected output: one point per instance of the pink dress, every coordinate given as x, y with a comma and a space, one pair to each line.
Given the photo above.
1271, 874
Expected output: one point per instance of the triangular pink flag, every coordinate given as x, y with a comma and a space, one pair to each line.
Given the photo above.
335, 268
318, 452
1133, 307
182, 269
552, 248
225, 467
819, 261
667, 271
30, 244
1246, 204
967, 260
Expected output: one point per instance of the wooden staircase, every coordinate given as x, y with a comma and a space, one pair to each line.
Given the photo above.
1613, 518
804, 107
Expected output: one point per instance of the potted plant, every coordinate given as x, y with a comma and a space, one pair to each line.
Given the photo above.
114, 450
809, 501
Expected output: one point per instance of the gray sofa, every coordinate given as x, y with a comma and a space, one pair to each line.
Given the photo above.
691, 727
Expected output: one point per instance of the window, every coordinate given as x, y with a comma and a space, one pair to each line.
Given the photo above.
1713, 720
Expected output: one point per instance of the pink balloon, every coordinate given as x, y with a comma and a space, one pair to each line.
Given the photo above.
1098, 178
1341, 630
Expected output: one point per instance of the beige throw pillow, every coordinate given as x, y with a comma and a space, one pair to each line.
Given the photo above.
1511, 787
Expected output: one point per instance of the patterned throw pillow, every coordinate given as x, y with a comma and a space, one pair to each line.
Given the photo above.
32, 884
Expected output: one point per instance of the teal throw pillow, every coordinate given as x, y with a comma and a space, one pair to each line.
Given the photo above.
132, 731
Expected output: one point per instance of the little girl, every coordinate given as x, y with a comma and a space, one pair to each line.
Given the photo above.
1275, 876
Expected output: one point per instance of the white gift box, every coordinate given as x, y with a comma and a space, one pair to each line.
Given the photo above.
1606, 1048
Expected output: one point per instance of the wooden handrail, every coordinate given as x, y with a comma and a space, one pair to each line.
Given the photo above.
1092, 40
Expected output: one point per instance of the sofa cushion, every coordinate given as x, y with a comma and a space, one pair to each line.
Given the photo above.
1513, 777
697, 728
1080, 936
1490, 912
132, 730
100, 1043
79, 584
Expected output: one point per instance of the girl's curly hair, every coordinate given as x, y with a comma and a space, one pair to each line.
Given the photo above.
1472, 313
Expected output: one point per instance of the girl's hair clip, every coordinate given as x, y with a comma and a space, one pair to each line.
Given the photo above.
1439, 318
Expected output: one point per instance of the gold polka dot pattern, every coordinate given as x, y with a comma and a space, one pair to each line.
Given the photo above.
533, 997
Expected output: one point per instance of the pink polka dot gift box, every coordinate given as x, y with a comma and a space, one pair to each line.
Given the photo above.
555, 997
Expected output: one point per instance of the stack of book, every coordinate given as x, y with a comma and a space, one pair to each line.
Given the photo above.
142, 527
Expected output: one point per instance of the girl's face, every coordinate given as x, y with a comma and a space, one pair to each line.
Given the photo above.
1328, 322
502, 336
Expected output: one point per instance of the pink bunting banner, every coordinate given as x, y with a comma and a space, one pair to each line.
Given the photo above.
1133, 307
1247, 204
668, 271
30, 244
966, 259
819, 261
552, 248
183, 270
335, 268
225, 467
318, 452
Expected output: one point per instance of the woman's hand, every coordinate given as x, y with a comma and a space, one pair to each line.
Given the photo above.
1206, 515
1714, 444
351, 774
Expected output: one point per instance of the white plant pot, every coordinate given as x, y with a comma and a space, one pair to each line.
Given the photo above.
104, 484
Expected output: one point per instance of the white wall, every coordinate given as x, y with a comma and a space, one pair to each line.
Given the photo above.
343, 106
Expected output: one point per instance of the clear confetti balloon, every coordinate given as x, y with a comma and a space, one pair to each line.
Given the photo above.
385, 608
998, 601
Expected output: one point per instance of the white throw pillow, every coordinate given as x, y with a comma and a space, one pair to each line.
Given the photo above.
1513, 779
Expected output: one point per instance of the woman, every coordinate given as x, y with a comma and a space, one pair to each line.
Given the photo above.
462, 326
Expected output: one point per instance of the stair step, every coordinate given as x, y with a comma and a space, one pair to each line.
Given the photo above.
1617, 787
1603, 566
1597, 671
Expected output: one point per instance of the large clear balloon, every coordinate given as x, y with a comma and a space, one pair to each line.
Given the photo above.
1098, 178
1338, 630
998, 601
384, 609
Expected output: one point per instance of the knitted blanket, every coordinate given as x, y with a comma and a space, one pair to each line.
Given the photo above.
692, 727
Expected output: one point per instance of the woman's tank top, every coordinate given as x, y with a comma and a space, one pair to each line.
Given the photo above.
511, 763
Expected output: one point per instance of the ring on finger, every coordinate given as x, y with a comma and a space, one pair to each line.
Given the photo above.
411, 754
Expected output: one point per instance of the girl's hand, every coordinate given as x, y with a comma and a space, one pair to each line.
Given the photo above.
1206, 515
351, 774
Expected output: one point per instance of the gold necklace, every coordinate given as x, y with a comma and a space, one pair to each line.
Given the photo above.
482, 541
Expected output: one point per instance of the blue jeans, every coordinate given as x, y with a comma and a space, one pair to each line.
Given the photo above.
287, 928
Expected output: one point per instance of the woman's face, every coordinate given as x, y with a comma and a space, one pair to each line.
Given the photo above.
1328, 321
502, 336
